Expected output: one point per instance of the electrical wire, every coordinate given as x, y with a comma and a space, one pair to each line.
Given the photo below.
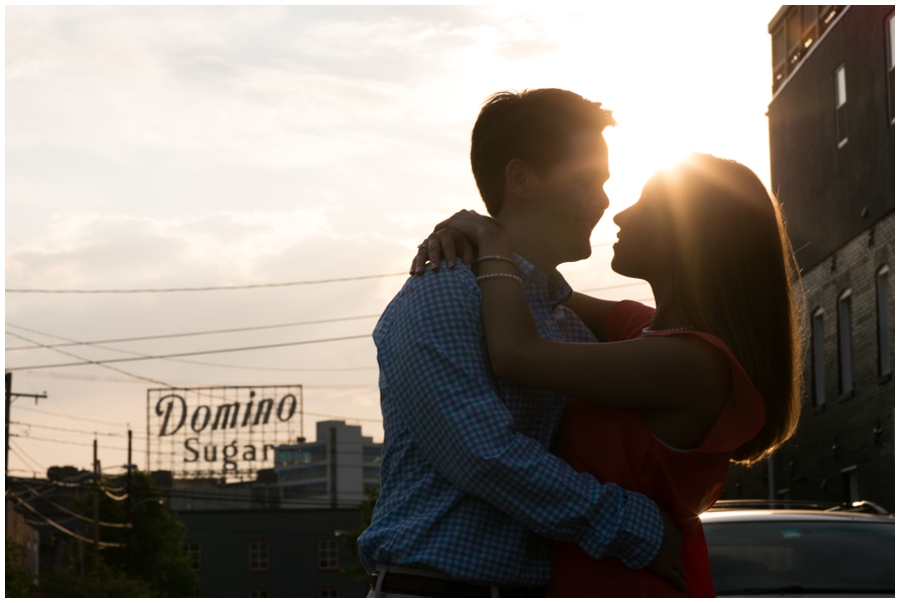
22, 450
70, 354
278, 369
113, 496
180, 360
74, 342
64, 530
214, 288
87, 431
15, 451
65, 416
232, 287
56, 414
31, 437
182, 354
105, 524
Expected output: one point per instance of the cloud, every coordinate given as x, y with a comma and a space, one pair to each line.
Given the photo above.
81, 250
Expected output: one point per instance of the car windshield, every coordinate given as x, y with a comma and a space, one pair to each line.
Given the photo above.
801, 557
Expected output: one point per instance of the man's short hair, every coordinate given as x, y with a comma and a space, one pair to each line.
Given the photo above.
532, 125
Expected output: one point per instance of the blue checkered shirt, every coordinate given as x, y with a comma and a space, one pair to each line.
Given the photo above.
468, 487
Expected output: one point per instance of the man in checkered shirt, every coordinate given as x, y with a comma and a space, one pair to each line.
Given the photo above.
471, 498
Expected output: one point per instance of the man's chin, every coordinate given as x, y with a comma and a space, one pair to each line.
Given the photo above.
578, 254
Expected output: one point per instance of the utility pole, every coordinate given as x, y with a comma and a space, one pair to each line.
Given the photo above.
333, 469
9, 398
128, 511
96, 509
8, 402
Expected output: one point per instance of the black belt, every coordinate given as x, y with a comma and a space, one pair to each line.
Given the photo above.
427, 586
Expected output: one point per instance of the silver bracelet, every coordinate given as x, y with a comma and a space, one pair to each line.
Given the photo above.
496, 258
499, 275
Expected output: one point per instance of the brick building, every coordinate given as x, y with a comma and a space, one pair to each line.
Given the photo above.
831, 131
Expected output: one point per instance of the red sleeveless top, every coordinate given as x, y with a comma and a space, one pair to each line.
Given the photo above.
612, 444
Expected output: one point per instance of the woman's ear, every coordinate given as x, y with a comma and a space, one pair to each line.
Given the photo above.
518, 178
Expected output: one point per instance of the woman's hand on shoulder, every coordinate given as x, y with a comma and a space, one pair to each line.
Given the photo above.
457, 238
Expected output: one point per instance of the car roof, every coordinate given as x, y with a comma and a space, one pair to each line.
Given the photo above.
757, 515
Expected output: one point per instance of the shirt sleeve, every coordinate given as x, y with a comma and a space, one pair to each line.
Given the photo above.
434, 361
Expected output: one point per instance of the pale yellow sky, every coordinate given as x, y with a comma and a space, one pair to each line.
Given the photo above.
186, 146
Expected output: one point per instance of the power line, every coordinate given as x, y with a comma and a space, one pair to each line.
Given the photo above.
62, 460
101, 545
57, 414
15, 451
70, 354
54, 347
31, 437
82, 377
244, 367
281, 369
313, 414
86, 431
74, 342
232, 287
105, 524
214, 288
182, 354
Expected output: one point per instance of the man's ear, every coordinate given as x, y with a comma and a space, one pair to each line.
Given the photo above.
519, 177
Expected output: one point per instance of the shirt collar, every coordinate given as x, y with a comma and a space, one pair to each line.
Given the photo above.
536, 281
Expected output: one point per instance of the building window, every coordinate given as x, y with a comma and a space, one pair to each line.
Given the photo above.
827, 13
329, 592
885, 345
305, 490
818, 357
778, 52
302, 473
840, 104
794, 37
328, 558
845, 356
259, 592
371, 454
889, 47
809, 18
192, 550
850, 484
258, 555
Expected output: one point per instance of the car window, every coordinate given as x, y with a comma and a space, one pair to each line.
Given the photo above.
801, 556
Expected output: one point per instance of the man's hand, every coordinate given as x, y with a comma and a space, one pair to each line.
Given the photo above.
666, 564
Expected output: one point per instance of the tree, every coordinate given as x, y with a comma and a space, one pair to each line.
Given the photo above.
101, 581
19, 581
151, 561
158, 542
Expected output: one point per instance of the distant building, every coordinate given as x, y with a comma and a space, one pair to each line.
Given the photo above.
334, 471
34, 505
831, 130
18, 530
274, 553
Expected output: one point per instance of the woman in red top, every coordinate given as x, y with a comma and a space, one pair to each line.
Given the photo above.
670, 396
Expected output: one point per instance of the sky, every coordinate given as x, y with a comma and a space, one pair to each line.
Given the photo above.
171, 147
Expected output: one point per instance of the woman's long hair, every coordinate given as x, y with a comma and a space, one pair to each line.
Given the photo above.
735, 273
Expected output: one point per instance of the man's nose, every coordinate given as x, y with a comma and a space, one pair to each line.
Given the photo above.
602, 201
